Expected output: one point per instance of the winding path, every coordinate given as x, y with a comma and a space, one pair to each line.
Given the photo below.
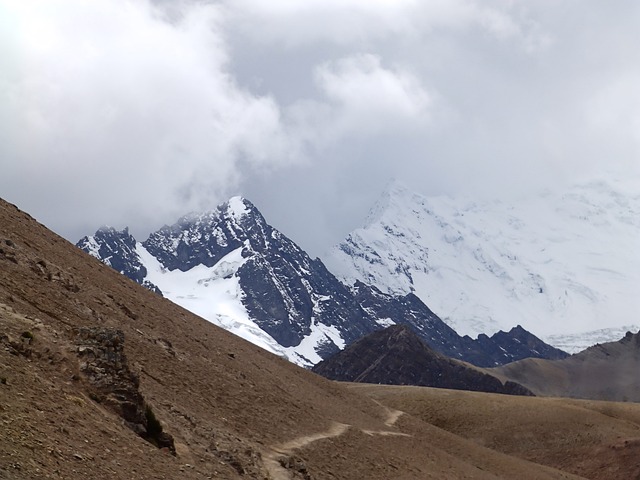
272, 457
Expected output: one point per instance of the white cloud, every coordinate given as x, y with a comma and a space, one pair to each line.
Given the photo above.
110, 105
615, 108
295, 24
135, 111
365, 97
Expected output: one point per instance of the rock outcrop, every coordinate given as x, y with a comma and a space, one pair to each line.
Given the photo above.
104, 367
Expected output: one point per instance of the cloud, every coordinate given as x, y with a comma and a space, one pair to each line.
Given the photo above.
134, 112
614, 109
369, 96
294, 24
358, 98
114, 106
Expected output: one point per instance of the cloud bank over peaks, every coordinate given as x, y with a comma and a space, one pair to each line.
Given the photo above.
307, 108
128, 99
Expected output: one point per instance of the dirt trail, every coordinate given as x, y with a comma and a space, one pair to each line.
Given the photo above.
335, 430
393, 417
272, 459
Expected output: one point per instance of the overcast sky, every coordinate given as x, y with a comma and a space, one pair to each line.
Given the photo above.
135, 112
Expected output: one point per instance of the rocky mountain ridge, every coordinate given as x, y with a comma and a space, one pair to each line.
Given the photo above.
607, 371
232, 268
396, 356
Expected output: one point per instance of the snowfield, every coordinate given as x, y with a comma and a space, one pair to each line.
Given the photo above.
564, 266
214, 294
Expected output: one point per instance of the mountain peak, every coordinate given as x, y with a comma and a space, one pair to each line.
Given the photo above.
393, 193
238, 207
107, 229
395, 199
557, 263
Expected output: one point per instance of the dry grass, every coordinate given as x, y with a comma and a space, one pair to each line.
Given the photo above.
594, 439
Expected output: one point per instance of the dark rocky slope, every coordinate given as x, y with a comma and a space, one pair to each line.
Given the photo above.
396, 356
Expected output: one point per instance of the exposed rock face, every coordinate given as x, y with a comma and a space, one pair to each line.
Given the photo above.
396, 356
283, 288
118, 250
288, 297
515, 344
499, 349
104, 365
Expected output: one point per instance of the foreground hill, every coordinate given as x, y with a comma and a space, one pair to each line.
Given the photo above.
596, 440
90, 361
231, 267
609, 371
396, 356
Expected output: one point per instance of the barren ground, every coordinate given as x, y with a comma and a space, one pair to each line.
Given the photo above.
594, 439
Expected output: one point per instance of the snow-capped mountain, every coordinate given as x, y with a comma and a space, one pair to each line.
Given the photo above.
231, 267
561, 265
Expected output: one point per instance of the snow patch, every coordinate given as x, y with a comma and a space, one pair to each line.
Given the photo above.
385, 322
320, 334
237, 208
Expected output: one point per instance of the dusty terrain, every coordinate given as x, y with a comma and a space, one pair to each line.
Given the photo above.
234, 410
607, 371
594, 439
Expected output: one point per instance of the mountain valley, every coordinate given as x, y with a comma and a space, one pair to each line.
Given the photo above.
232, 409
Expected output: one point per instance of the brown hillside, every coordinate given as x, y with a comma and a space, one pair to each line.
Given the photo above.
69, 395
597, 440
608, 371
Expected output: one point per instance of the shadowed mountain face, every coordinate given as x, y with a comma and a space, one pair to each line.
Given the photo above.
396, 356
609, 371
232, 268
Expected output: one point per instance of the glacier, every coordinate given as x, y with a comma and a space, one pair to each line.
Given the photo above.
564, 265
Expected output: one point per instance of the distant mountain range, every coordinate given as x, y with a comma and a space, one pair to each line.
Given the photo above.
565, 266
232, 268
